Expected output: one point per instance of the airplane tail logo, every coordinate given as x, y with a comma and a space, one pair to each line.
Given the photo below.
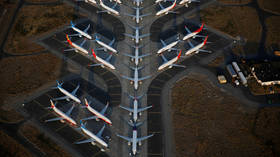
200, 29
179, 55
93, 53
72, 24
205, 40
68, 40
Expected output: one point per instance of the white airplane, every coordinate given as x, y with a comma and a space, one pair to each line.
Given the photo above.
105, 46
170, 62
137, 17
168, 47
80, 33
87, 1
186, 2
118, 1
193, 34
197, 48
137, 2
67, 94
135, 110
136, 58
62, 116
103, 62
98, 115
166, 10
76, 47
108, 9
137, 37
136, 78
134, 140
93, 138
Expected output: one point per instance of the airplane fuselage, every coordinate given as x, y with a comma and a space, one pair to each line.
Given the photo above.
168, 63
82, 33
118, 1
167, 47
134, 142
69, 95
135, 80
194, 49
90, 1
108, 8
135, 110
166, 10
93, 136
136, 60
191, 35
64, 116
101, 43
104, 62
137, 14
99, 115
137, 36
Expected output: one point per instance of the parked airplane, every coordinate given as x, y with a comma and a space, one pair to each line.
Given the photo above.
136, 58
137, 2
134, 140
135, 110
108, 9
166, 10
197, 48
193, 34
137, 17
93, 138
137, 35
168, 47
136, 78
62, 116
169, 63
98, 115
105, 46
68, 95
80, 33
76, 47
103, 62
186, 2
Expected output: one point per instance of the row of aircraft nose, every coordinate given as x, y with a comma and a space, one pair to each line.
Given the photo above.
66, 116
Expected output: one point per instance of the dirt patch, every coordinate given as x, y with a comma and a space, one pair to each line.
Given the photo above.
273, 31
8, 116
235, 1
38, 1
22, 75
235, 21
270, 5
216, 124
10, 148
36, 20
217, 61
43, 142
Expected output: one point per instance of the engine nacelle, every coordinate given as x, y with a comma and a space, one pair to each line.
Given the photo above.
140, 114
93, 143
139, 143
128, 143
140, 82
131, 82
130, 113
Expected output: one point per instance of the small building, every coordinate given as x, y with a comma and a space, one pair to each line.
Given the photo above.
222, 79
267, 73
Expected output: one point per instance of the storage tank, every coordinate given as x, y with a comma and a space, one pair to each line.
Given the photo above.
242, 78
236, 67
231, 71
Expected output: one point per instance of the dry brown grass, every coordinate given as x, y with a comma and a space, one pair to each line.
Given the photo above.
35, 1
10, 148
8, 116
235, 1
273, 31
208, 122
217, 61
270, 5
242, 21
33, 21
44, 143
22, 75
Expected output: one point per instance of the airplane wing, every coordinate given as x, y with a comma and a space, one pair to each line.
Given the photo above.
99, 134
85, 141
190, 44
144, 108
72, 49
108, 58
144, 55
129, 78
125, 138
186, 28
143, 15
128, 55
70, 110
104, 109
126, 108
112, 42
161, 7
202, 50
162, 42
114, 6
75, 90
143, 78
87, 28
89, 118
83, 43
61, 98
130, 15
129, 35
144, 35
178, 65
163, 58
144, 138
54, 119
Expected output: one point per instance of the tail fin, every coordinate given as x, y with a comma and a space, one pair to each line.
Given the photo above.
86, 102
68, 39
72, 24
52, 104
93, 53
205, 40
179, 55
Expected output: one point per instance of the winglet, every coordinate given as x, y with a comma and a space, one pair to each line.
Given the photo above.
200, 29
205, 40
93, 53
179, 55
68, 40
